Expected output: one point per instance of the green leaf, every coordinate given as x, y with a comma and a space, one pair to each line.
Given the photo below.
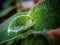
45, 18
42, 16
17, 39
34, 39
4, 27
20, 25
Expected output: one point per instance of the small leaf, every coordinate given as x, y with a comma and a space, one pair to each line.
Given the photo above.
20, 25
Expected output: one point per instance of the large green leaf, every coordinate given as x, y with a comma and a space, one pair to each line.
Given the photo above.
45, 16
34, 39
4, 27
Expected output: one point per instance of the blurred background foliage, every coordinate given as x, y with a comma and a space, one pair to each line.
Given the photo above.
10, 7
